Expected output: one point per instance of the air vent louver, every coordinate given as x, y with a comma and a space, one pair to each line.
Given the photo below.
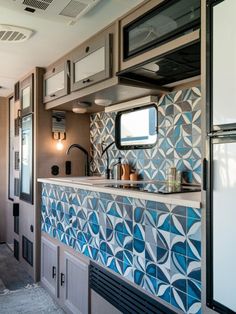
38, 4
9, 33
73, 9
121, 295
78, 8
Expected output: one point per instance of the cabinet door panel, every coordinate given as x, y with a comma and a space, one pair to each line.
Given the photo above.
56, 82
224, 65
96, 62
75, 287
49, 266
27, 95
91, 63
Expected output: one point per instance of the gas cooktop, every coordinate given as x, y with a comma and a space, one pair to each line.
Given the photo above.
157, 187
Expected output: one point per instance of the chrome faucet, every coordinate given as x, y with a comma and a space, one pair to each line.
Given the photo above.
87, 171
105, 150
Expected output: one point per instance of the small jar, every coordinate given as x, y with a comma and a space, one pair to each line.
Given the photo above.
171, 176
178, 178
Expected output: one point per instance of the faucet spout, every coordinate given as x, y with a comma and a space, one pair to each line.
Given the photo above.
105, 151
87, 171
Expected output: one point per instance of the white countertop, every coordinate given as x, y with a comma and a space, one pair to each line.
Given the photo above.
190, 199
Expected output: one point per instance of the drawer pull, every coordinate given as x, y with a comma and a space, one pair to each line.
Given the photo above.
86, 81
53, 272
62, 279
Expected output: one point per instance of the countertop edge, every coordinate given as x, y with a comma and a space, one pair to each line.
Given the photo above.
191, 199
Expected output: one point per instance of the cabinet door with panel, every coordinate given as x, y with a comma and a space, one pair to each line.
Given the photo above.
27, 95
49, 266
74, 284
92, 62
149, 30
56, 82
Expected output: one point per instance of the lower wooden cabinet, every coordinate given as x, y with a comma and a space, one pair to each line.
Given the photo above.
66, 277
74, 284
49, 266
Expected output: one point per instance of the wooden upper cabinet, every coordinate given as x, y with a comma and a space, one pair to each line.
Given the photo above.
56, 82
27, 95
157, 27
92, 62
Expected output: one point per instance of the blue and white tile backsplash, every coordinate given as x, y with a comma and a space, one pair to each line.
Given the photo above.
179, 139
154, 245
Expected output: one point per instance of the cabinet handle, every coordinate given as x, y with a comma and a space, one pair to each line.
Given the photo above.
19, 119
53, 95
53, 272
86, 81
62, 279
204, 171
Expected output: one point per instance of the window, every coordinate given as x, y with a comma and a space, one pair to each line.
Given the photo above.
137, 128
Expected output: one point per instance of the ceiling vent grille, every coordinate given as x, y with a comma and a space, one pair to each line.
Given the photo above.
73, 9
78, 8
38, 4
9, 33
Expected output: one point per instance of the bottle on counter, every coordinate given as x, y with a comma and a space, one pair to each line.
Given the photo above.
133, 176
178, 178
171, 176
117, 170
125, 171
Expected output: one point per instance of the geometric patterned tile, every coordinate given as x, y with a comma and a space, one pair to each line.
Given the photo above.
179, 138
154, 245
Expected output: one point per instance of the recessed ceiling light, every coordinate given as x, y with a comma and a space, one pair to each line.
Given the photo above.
102, 102
81, 107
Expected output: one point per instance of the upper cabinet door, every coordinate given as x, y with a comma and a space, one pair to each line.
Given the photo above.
168, 20
27, 95
157, 24
56, 82
223, 62
91, 63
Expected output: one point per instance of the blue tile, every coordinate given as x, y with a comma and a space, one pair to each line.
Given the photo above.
178, 225
139, 215
179, 299
150, 284
139, 247
194, 269
139, 232
138, 277
194, 288
151, 269
163, 290
178, 244
163, 221
178, 264
194, 305
194, 249
151, 217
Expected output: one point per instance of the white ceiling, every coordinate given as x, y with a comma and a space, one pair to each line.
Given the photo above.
51, 40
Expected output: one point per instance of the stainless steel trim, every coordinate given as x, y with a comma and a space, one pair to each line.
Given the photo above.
222, 133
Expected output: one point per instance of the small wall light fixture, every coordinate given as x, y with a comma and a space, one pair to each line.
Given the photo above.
59, 128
